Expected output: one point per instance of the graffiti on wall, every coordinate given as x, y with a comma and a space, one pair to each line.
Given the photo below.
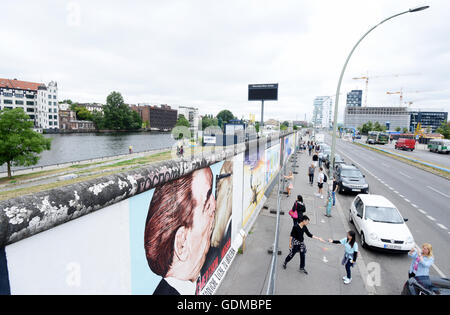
272, 162
183, 230
254, 180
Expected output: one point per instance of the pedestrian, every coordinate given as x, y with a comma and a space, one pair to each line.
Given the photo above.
289, 185
297, 243
422, 260
315, 158
311, 170
310, 147
350, 255
298, 210
130, 149
320, 181
335, 189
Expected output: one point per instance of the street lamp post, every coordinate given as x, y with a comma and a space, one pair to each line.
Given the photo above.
336, 106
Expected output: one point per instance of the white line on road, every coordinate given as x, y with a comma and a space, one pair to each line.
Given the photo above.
407, 200
442, 226
406, 175
415, 206
431, 218
439, 192
402, 196
421, 211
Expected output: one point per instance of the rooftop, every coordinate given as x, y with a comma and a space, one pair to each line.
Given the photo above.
17, 84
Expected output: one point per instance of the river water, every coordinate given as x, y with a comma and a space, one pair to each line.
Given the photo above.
84, 146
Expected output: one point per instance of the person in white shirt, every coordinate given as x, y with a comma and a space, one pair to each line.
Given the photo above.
320, 180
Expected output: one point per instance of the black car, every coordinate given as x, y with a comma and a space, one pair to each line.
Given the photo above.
350, 179
338, 161
427, 286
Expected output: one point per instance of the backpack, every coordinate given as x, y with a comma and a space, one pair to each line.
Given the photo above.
325, 178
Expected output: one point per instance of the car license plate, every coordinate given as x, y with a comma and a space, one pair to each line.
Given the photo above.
356, 190
392, 246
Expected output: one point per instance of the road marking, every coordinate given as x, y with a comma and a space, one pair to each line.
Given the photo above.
442, 226
421, 211
402, 196
405, 175
396, 192
439, 192
415, 206
407, 200
431, 218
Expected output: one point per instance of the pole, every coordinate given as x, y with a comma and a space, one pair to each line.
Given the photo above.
262, 113
336, 106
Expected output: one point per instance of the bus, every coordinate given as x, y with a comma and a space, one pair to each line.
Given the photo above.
377, 137
439, 146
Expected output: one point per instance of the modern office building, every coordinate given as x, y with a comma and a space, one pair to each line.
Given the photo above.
395, 117
38, 100
354, 98
162, 118
428, 118
322, 114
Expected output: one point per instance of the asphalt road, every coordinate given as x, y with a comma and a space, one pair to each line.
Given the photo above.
438, 159
420, 196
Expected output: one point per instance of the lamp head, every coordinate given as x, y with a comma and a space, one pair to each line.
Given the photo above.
419, 9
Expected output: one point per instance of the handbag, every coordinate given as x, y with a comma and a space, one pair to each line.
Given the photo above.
293, 214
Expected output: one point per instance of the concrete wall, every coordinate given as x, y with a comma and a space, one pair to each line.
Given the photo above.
107, 236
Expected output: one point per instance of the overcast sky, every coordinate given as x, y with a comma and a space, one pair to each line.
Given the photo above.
204, 53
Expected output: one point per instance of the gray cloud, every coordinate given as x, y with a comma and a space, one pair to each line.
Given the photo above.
205, 53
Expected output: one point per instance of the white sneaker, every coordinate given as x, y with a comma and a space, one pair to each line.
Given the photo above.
344, 278
347, 281
321, 196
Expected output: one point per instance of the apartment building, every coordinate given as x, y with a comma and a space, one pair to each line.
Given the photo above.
38, 100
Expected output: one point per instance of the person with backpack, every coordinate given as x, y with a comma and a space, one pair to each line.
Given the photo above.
350, 255
297, 243
320, 181
298, 210
310, 147
315, 159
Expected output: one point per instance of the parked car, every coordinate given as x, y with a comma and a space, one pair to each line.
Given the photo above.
338, 161
416, 286
405, 144
380, 224
350, 179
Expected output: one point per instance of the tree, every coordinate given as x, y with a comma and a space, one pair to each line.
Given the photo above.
398, 129
257, 126
209, 121
379, 127
117, 115
444, 130
224, 116
20, 145
405, 130
182, 121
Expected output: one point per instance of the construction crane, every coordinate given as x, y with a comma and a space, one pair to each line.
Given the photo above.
401, 93
367, 77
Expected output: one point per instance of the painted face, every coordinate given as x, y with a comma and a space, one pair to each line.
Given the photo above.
204, 212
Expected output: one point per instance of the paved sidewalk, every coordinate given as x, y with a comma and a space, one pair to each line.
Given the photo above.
249, 274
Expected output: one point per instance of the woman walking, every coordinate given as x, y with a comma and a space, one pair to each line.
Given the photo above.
311, 170
289, 185
350, 255
297, 244
299, 209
